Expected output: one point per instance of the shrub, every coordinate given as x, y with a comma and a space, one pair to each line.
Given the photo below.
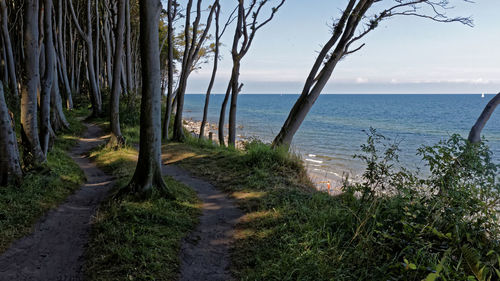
443, 226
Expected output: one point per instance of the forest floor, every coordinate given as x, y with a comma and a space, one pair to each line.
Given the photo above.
54, 250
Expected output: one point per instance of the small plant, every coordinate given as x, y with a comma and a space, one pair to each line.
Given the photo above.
443, 227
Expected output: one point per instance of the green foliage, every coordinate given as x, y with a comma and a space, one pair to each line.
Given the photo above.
446, 224
21, 206
133, 240
393, 225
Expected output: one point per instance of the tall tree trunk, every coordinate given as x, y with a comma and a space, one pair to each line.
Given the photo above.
148, 175
47, 79
170, 69
108, 49
10, 167
8, 50
128, 50
475, 132
214, 73
58, 119
33, 154
62, 69
116, 134
222, 116
235, 90
95, 96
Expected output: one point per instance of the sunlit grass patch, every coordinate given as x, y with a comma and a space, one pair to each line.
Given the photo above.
138, 240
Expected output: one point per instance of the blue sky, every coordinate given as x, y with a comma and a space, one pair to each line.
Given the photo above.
403, 55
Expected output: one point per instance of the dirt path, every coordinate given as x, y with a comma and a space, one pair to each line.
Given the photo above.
205, 252
54, 251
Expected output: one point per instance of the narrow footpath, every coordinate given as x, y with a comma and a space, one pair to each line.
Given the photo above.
54, 251
205, 253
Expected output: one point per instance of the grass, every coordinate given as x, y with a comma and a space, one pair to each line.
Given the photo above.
21, 206
138, 240
290, 231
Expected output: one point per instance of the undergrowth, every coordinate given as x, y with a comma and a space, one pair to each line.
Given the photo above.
21, 206
138, 240
394, 225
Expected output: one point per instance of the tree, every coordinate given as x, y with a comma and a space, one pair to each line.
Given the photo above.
48, 78
171, 12
33, 154
8, 49
116, 134
246, 28
96, 99
339, 46
475, 132
192, 47
147, 174
10, 167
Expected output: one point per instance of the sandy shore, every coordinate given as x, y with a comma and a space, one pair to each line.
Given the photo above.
325, 180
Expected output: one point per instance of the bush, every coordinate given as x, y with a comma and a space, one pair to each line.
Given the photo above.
443, 226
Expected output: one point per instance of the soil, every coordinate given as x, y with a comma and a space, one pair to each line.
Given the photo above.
54, 251
205, 253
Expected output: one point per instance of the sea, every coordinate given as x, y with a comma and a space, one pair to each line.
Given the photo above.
336, 126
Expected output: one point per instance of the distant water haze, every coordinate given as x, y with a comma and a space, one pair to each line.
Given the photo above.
333, 131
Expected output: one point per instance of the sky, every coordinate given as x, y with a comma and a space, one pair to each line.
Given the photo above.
403, 55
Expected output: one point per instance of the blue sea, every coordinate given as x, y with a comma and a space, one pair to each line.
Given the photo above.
334, 129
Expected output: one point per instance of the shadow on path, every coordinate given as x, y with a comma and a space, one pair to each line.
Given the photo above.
205, 252
54, 251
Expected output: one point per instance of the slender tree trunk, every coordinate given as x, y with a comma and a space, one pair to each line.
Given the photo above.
234, 102
214, 73
10, 167
108, 49
47, 79
222, 116
148, 175
128, 51
116, 134
58, 119
475, 132
33, 154
170, 69
95, 97
8, 50
62, 57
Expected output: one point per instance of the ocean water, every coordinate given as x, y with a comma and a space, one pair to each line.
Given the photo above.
334, 129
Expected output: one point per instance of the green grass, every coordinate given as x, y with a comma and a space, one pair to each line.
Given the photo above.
21, 206
138, 240
290, 231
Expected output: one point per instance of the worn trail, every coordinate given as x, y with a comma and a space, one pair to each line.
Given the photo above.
54, 251
205, 252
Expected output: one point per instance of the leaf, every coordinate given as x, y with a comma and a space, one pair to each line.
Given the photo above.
432, 277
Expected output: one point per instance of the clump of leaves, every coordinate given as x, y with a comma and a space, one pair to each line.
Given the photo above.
441, 227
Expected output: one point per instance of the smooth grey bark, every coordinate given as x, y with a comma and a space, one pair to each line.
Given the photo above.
170, 69
214, 71
148, 178
8, 50
48, 78
116, 134
58, 119
95, 96
475, 132
10, 164
61, 57
191, 51
33, 155
128, 50
108, 49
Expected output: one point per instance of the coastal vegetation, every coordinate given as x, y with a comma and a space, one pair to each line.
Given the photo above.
113, 64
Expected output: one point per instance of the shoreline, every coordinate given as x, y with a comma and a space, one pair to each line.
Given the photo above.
319, 175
